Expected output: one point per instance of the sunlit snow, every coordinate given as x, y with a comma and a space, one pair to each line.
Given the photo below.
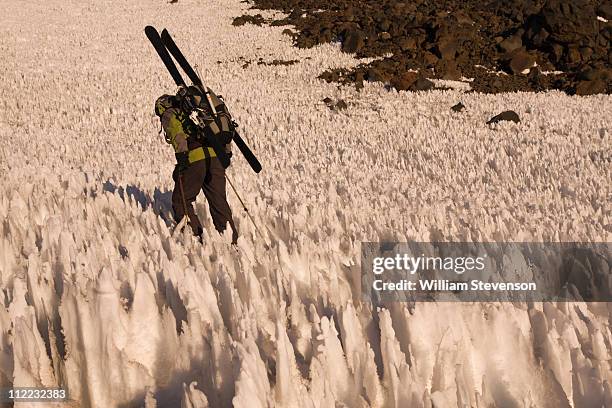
99, 298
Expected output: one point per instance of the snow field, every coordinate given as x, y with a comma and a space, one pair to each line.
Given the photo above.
99, 297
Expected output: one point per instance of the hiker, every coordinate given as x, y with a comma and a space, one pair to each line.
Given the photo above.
197, 166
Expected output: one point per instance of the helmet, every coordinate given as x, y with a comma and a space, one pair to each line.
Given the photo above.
164, 102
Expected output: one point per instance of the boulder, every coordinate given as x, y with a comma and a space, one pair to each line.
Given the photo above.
520, 61
505, 115
411, 81
429, 58
375, 75
447, 48
448, 70
353, 41
589, 74
536, 80
573, 55
257, 19
458, 107
404, 81
384, 25
359, 77
605, 10
341, 104
422, 84
407, 43
539, 39
590, 87
511, 43
557, 51
586, 53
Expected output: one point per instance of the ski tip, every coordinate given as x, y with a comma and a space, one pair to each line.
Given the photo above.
151, 33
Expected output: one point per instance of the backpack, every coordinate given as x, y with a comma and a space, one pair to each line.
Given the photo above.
186, 101
191, 99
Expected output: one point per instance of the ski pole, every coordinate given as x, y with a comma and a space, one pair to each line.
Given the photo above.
245, 208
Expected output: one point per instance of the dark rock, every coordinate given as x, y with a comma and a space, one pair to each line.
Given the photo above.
359, 76
463, 18
590, 87
385, 25
605, 10
349, 14
341, 104
586, 53
407, 43
557, 50
447, 48
422, 84
520, 61
511, 43
569, 21
296, 13
257, 19
353, 42
539, 40
536, 80
375, 75
333, 75
404, 81
506, 115
278, 62
429, 58
453, 37
573, 55
458, 107
448, 70
589, 74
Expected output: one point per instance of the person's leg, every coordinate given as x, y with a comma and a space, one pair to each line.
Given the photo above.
192, 180
215, 192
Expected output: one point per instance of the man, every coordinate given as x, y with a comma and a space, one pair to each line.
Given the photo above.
197, 164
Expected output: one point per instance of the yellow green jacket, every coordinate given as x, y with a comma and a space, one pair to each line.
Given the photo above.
180, 134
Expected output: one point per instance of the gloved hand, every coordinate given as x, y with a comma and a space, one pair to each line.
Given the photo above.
182, 161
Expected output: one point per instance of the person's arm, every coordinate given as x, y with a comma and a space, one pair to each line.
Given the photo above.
176, 136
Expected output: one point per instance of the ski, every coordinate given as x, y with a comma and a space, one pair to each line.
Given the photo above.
246, 152
157, 43
171, 46
159, 46
169, 43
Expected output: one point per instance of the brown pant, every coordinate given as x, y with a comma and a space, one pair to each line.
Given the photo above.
209, 176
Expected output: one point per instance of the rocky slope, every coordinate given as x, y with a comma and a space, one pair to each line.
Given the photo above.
528, 40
